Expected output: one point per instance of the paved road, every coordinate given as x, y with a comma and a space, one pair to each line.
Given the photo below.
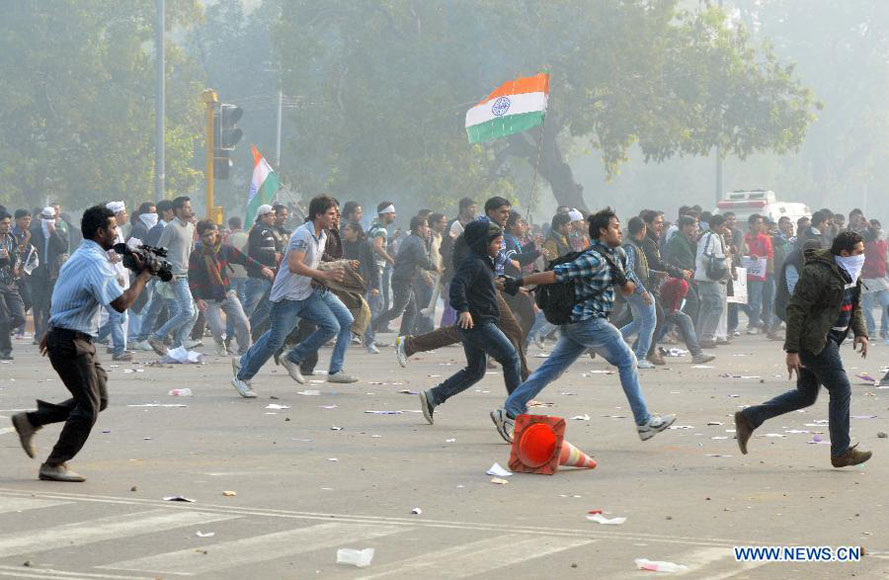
305, 489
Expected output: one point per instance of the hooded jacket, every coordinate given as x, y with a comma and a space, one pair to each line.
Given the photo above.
815, 305
472, 288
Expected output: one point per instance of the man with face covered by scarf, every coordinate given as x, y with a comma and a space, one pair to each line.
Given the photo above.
824, 307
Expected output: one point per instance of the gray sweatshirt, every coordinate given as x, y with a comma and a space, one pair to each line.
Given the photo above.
178, 239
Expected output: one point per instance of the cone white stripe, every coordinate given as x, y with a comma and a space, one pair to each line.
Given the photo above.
480, 557
256, 549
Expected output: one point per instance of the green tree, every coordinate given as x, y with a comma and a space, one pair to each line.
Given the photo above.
77, 106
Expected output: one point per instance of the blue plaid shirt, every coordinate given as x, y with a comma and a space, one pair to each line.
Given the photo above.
593, 284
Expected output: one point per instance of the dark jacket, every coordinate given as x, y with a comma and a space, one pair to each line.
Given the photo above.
411, 255
656, 264
681, 252
154, 234
815, 305
140, 232
203, 283
51, 261
472, 288
362, 251
261, 247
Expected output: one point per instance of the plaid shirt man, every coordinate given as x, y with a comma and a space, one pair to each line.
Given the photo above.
594, 285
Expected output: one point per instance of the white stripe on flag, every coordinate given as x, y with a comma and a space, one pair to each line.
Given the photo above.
518, 104
228, 555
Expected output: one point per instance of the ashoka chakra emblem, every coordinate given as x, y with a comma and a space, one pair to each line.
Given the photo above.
501, 105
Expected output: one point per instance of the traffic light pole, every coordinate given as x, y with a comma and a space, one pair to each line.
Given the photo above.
211, 99
159, 110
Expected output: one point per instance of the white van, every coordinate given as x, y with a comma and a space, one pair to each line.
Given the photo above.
748, 202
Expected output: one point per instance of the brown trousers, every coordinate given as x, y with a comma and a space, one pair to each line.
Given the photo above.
448, 335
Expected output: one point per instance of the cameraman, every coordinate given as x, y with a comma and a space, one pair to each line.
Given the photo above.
87, 282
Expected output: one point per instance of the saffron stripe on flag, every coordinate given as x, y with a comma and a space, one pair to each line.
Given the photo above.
535, 84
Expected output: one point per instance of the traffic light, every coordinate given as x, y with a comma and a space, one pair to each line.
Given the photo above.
222, 163
228, 132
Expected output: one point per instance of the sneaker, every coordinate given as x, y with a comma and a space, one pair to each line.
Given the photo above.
426, 406
540, 341
656, 358
356, 339
341, 377
192, 344
221, 350
655, 425
372, 349
244, 389
124, 356
723, 341
142, 346
753, 330
26, 432
59, 472
157, 346
702, 358
884, 382
644, 364
708, 344
293, 370
743, 431
852, 456
736, 333
400, 352
505, 425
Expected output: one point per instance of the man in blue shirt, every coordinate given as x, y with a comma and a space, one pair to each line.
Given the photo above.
87, 283
595, 273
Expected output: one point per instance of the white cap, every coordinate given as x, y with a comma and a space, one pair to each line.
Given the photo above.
116, 206
575, 215
48, 212
264, 209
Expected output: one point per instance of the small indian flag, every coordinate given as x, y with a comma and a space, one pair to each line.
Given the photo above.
515, 106
263, 186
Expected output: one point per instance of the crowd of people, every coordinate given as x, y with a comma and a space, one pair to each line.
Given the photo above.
288, 284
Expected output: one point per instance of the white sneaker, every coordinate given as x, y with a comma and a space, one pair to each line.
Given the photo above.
505, 425
221, 350
655, 425
341, 377
400, 354
243, 388
293, 370
143, 346
372, 349
540, 340
644, 364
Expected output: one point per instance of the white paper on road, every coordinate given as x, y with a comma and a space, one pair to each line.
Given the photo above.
276, 406
498, 471
180, 355
357, 558
600, 519
659, 566
583, 417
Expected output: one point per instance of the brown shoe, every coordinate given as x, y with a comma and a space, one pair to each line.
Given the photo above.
656, 359
743, 431
59, 472
852, 456
26, 432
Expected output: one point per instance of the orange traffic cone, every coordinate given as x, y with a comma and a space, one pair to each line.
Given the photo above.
539, 446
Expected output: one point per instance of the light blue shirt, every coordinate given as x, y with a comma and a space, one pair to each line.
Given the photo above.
87, 283
290, 286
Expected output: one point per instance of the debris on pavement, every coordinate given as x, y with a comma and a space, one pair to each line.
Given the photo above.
309, 393
276, 406
499, 481
159, 405
357, 558
417, 511
201, 534
178, 498
659, 566
229, 493
583, 417
182, 356
186, 392
600, 519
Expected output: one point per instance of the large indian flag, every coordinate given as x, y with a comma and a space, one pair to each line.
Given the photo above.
515, 106
263, 186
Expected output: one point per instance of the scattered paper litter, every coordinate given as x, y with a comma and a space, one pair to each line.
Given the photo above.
408, 392
128, 371
327, 406
498, 471
540, 404
675, 427
276, 406
335, 428
703, 367
719, 437
866, 378
713, 423
332, 459
659, 566
541, 355
675, 352
357, 558
309, 392
159, 405
717, 455
864, 416
774, 435
417, 511
600, 519
450, 440
499, 481
583, 417
186, 392
568, 394
201, 534
180, 355
178, 498
229, 493
385, 412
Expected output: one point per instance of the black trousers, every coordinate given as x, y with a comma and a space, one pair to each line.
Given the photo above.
73, 356
12, 315
403, 302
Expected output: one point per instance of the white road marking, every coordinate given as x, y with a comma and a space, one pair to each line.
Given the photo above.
20, 504
478, 557
99, 530
22, 572
263, 548
703, 557
6, 430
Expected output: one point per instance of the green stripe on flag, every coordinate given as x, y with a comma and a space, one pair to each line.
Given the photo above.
503, 126
265, 195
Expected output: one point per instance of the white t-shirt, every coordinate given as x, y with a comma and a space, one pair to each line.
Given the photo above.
290, 286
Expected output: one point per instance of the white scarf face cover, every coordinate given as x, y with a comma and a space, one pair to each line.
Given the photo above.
852, 265
149, 219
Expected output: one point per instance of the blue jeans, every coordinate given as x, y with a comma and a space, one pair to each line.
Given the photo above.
825, 368
114, 327
376, 306
687, 328
183, 314
604, 339
753, 308
324, 309
239, 285
255, 290
644, 322
478, 342
868, 301
541, 326
150, 311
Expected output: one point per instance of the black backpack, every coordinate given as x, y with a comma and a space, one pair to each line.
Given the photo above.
558, 300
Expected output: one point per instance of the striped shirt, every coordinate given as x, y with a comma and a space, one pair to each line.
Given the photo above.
87, 282
593, 288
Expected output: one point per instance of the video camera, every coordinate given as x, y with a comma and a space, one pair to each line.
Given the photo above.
152, 260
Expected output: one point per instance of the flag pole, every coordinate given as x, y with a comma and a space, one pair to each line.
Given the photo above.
531, 196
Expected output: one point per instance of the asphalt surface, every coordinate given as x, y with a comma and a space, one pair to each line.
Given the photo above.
326, 474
